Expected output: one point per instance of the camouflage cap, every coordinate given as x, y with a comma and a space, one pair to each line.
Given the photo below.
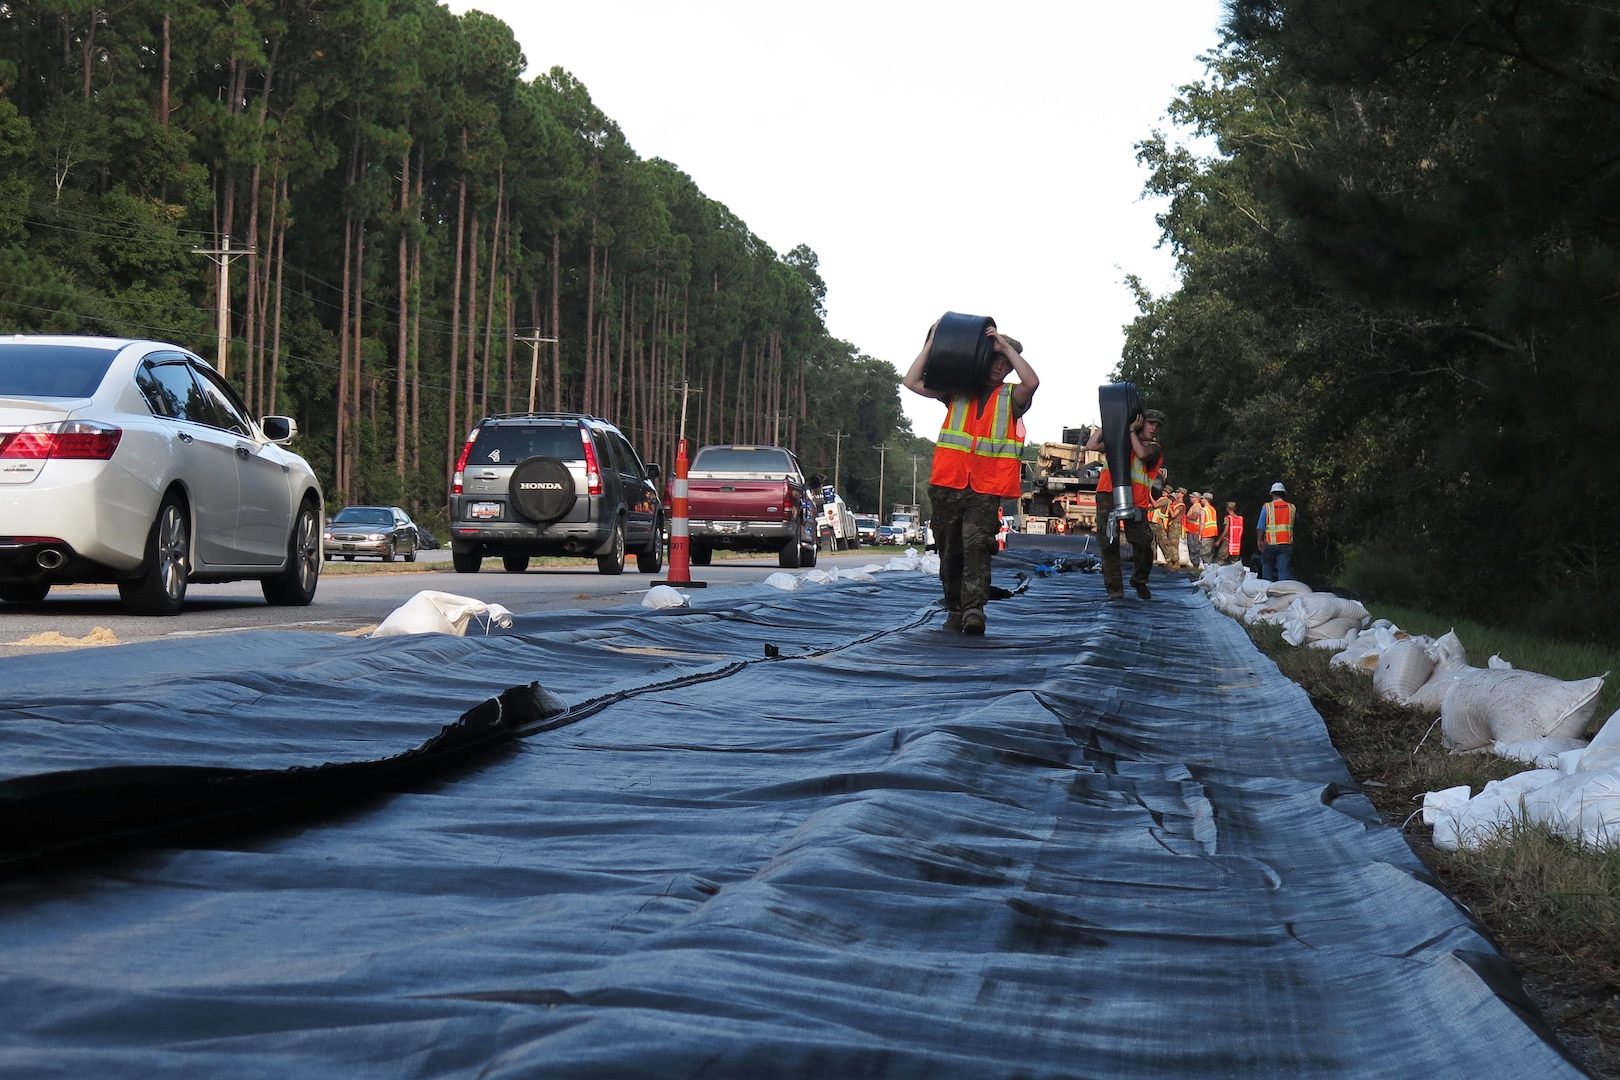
1154, 415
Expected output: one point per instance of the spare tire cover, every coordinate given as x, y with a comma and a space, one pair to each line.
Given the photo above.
542, 489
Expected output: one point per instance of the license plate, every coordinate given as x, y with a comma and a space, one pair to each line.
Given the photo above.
725, 526
485, 511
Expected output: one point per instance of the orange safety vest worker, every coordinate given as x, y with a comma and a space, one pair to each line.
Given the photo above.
979, 448
1159, 515
1279, 522
1212, 527
1193, 520
1141, 483
1234, 535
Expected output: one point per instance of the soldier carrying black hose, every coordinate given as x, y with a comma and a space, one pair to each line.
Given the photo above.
1146, 459
976, 465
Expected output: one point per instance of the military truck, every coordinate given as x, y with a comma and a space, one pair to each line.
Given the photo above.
1060, 486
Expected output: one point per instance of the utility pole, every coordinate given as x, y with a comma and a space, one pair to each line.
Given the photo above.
685, 390
534, 339
838, 438
913, 479
883, 453
223, 256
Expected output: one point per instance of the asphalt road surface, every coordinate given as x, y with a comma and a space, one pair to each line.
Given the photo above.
83, 617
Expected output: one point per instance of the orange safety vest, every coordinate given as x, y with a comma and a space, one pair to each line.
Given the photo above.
1212, 527
1280, 522
1141, 481
1234, 535
979, 448
1193, 522
1158, 516
1178, 507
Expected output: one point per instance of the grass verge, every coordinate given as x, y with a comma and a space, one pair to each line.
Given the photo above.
1553, 907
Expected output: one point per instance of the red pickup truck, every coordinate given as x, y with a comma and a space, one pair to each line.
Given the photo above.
750, 498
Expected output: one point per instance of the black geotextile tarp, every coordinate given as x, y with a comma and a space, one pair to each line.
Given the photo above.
1104, 840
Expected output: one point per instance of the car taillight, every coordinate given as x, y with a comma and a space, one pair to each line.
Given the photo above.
593, 474
461, 462
83, 440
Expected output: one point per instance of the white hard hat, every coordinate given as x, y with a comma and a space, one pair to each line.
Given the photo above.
1278, 486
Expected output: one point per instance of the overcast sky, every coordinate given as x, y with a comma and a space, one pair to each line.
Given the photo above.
937, 156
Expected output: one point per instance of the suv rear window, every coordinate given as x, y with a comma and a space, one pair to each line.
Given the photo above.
508, 444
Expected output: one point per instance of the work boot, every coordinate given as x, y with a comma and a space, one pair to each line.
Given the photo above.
953, 623
1142, 590
973, 621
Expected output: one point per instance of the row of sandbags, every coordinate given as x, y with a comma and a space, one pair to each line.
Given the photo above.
1316, 619
1573, 787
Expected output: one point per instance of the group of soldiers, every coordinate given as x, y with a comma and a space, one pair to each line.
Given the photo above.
1212, 539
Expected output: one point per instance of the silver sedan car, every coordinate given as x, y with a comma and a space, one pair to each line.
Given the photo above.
135, 463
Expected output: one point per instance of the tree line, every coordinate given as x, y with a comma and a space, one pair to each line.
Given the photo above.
415, 237
1399, 266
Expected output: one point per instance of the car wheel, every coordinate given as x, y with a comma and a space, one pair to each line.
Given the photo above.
25, 592
652, 560
791, 555
388, 554
515, 564
410, 556
613, 561
541, 489
807, 558
161, 588
701, 554
295, 586
466, 562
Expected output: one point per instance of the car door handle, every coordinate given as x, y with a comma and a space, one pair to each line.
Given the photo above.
243, 452
185, 437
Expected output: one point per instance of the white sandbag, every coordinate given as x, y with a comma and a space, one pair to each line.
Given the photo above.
431, 612
1317, 608
1402, 669
1512, 706
1450, 800
1542, 753
1447, 651
665, 596
1496, 808
1432, 694
1287, 588
1585, 807
1230, 604
1334, 630
1497, 662
1365, 651
819, 577
785, 582
1604, 750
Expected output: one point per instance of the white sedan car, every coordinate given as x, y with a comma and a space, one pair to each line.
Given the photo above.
134, 462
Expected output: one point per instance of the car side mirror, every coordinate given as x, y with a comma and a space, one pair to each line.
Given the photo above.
653, 470
278, 429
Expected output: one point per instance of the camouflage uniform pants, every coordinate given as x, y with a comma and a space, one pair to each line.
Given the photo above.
965, 528
1161, 540
1141, 541
1172, 556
